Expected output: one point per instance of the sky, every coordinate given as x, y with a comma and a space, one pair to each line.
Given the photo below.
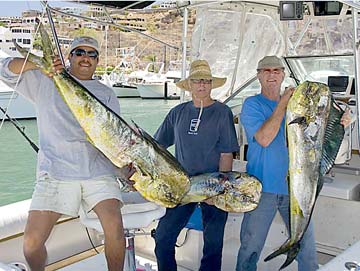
15, 7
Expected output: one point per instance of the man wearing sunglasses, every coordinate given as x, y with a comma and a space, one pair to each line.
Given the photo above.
71, 173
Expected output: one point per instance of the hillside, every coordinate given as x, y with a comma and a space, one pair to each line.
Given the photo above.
163, 25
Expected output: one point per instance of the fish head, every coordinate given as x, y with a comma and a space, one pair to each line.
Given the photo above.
308, 104
242, 193
166, 189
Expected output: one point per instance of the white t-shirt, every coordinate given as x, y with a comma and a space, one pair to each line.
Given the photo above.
65, 153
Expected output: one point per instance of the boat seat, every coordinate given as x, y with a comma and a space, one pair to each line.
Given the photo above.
136, 213
12, 223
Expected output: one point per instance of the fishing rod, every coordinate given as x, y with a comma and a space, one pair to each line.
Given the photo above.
21, 130
53, 30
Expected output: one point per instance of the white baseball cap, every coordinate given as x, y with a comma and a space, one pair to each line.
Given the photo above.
84, 41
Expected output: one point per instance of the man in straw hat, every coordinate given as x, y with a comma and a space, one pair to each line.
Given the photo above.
203, 133
71, 171
263, 118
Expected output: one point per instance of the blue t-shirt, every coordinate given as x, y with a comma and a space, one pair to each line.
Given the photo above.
198, 150
269, 164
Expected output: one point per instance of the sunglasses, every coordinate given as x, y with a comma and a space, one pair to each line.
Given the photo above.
81, 52
199, 81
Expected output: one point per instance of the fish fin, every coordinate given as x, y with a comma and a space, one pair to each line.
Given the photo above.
320, 184
299, 120
90, 140
289, 248
291, 255
47, 44
141, 131
334, 134
157, 146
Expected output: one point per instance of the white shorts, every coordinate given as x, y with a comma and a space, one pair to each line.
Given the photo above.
65, 197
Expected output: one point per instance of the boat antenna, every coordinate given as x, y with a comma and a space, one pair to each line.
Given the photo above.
21, 130
53, 30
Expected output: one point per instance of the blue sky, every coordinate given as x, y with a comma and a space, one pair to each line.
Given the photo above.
14, 8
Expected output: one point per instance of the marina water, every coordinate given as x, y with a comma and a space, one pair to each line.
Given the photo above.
18, 159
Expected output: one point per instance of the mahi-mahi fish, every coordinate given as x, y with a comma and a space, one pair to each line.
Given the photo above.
231, 191
159, 177
314, 136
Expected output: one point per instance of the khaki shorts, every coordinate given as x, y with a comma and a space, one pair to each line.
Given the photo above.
65, 197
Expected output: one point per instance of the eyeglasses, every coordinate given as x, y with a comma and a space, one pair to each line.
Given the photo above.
81, 52
272, 71
199, 81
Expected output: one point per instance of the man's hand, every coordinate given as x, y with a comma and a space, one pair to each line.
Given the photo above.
125, 174
287, 95
346, 118
209, 201
57, 66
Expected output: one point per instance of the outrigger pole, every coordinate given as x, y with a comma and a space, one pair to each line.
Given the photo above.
112, 24
53, 30
21, 130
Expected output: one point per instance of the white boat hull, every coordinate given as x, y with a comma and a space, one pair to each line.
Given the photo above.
157, 91
16, 106
126, 91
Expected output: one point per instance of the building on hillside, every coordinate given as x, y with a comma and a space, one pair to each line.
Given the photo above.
22, 35
131, 20
65, 43
71, 10
31, 13
91, 25
94, 11
168, 4
9, 20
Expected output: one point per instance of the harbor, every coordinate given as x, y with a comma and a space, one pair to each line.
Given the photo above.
320, 44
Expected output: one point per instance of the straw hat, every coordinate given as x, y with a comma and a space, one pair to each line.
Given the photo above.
200, 69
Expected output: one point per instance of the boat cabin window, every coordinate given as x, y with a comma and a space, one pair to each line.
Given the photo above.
352, 87
338, 84
326, 8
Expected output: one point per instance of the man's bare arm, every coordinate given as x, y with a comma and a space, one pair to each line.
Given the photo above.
268, 131
225, 163
16, 65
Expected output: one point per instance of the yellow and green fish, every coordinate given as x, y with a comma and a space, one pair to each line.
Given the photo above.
159, 177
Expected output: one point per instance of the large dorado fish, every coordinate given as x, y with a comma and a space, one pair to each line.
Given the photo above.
232, 191
314, 136
159, 177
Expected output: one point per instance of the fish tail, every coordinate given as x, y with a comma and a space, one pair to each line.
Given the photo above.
38, 61
47, 45
289, 248
44, 63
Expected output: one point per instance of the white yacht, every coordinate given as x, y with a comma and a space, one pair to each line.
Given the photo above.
233, 36
15, 105
161, 85
124, 87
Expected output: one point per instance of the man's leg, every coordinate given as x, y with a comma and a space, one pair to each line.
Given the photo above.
166, 235
254, 230
109, 215
214, 221
37, 231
